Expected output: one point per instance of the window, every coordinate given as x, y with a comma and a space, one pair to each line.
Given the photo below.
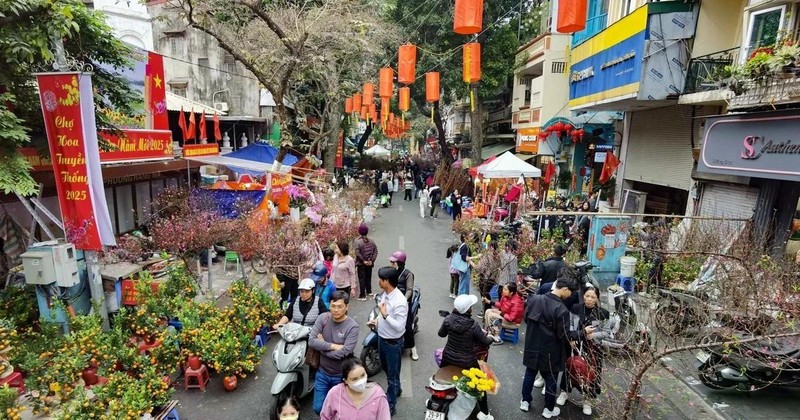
142, 202
229, 63
557, 67
112, 210
125, 210
763, 29
178, 88
203, 63
176, 44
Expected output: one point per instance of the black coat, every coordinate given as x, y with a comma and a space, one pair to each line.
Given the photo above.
552, 266
547, 334
463, 335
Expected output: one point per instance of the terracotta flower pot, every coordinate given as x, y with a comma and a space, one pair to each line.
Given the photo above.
230, 383
194, 362
89, 376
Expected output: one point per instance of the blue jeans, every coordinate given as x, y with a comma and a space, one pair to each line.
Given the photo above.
322, 385
464, 280
549, 386
390, 362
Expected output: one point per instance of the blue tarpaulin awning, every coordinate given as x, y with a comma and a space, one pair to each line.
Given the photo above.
255, 159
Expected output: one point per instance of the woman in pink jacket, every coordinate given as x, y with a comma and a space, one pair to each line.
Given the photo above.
509, 309
344, 269
354, 397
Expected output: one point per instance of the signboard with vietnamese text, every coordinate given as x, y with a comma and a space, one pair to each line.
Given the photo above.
68, 110
38, 163
528, 140
759, 145
138, 145
197, 150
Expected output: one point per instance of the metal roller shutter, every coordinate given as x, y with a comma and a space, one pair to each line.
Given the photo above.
728, 201
660, 150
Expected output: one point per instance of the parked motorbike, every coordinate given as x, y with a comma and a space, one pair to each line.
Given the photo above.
751, 365
294, 377
369, 352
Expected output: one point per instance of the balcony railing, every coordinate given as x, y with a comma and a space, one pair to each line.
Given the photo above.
593, 26
705, 72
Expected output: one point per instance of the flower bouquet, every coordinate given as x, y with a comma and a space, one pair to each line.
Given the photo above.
474, 382
299, 196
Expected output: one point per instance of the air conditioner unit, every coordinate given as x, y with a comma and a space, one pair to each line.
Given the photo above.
221, 106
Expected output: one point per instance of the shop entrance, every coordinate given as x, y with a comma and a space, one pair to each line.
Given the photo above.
663, 200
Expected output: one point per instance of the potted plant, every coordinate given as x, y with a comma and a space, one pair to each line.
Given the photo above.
473, 384
564, 181
299, 199
783, 60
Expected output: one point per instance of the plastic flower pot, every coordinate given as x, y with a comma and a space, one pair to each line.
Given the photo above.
230, 383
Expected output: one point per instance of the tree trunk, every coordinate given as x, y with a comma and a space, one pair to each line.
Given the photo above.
437, 120
335, 121
476, 125
363, 140
286, 136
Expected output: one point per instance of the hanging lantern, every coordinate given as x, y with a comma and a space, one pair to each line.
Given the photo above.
364, 112
471, 62
407, 64
571, 15
369, 93
568, 127
391, 118
386, 82
404, 101
357, 101
385, 108
468, 17
581, 133
373, 112
348, 105
558, 127
432, 92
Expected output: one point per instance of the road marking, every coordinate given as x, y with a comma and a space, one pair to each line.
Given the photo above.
402, 242
405, 377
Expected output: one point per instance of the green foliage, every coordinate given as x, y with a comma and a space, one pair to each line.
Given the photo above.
682, 270
19, 304
26, 30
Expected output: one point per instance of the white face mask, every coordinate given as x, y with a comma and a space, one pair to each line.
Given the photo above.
359, 385
290, 417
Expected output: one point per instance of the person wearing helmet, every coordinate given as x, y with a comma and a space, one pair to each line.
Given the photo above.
405, 283
324, 287
306, 310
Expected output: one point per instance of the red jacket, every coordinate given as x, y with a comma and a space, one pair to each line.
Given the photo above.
512, 308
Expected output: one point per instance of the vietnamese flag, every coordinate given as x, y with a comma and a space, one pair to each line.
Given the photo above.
609, 167
217, 133
157, 100
549, 172
190, 132
182, 124
203, 135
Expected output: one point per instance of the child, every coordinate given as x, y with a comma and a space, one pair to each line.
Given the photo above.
453, 272
327, 255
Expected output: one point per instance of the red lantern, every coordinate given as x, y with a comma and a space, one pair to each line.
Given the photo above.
581, 133
348, 105
471, 62
407, 64
386, 82
468, 18
432, 92
568, 127
369, 93
558, 127
404, 100
571, 15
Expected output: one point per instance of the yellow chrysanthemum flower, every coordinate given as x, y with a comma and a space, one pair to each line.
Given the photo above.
455, 378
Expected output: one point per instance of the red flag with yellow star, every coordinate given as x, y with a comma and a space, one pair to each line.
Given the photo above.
157, 101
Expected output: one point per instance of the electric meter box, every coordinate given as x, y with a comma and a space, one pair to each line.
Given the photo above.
51, 263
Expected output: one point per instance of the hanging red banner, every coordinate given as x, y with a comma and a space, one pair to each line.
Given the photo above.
340, 153
195, 150
68, 111
138, 145
38, 163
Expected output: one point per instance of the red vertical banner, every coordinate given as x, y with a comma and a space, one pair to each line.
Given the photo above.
156, 97
68, 111
340, 152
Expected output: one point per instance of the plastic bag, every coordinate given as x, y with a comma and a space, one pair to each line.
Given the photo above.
276, 284
485, 368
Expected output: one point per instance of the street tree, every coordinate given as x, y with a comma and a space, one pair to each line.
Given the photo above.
307, 52
32, 33
429, 24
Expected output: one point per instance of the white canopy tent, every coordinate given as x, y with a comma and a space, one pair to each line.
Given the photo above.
240, 165
378, 151
509, 166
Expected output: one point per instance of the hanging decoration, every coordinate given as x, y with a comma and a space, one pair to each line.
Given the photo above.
373, 112
386, 82
384, 110
357, 102
348, 106
468, 17
571, 15
432, 92
369, 93
407, 64
404, 101
568, 127
471, 72
365, 113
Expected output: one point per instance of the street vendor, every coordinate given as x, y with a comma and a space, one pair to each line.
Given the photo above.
306, 310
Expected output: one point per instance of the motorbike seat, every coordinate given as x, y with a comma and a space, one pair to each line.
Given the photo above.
788, 347
444, 376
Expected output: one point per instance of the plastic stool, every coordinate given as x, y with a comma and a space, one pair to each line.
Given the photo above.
196, 378
494, 294
172, 415
15, 380
510, 333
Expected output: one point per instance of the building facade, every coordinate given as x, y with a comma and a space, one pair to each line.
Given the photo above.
130, 21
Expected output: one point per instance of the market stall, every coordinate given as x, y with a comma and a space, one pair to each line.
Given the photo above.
508, 176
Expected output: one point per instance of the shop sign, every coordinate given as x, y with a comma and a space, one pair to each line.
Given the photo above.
38, 163
138, 145
755, 146
528, 140
339, 158
68, 111
196, 150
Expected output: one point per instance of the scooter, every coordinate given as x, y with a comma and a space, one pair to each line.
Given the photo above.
369, 352
294, 377
750, 366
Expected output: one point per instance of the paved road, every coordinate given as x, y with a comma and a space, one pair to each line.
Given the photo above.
425, 242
